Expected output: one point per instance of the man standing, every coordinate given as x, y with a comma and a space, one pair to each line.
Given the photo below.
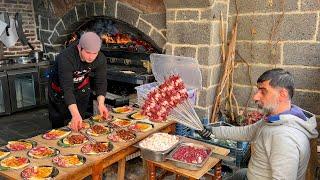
281, 148
69, 82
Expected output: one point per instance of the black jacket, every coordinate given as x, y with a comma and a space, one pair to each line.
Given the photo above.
69, 72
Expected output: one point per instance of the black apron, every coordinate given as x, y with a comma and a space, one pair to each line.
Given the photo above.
59, 114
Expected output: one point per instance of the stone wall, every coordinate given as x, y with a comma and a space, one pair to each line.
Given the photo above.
54, 30
193, 30
25, 8
294, 46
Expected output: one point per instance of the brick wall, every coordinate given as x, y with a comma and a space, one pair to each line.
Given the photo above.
193, 30
25, 8
294, 46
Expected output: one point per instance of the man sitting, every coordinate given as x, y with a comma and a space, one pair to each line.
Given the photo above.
281, 148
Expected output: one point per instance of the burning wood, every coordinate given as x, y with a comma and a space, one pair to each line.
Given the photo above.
116, 39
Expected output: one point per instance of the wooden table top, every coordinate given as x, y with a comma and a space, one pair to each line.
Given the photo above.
85, 169
197, 174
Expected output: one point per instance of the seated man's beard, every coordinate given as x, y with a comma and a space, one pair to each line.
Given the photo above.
267, 108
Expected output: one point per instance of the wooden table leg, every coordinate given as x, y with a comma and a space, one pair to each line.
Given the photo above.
151, 171
121, 169
97, 172
217, 171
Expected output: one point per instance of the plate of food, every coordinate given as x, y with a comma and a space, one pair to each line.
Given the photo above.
123, 110
14, 162
72, 140
100, 119
70, 160
57, 133
121, 135
97, 148
41, 152
140, 126
137, 116
98, 130
40, 172
121, 122
21, 145
85, 124
4, 152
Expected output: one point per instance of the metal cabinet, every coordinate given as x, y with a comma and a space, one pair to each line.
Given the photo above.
5, 106
24, 88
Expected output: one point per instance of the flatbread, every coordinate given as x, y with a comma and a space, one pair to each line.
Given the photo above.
67, 142
19, 145
121, 122
14, 162
99, 118
56, 134
94, 149
123, 109
141, 127
43, 152
39, 172
91, 131
137, 116
71, 160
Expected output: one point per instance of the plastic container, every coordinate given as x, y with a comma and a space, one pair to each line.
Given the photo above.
188, 68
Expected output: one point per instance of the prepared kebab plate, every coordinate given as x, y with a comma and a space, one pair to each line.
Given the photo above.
123, 110
72, 140
159, 142
21, 145
96, 148
56, 133
137, 116
14, 162
70, 160
85, 124
39, 172
41, 152
100, 119
98, 130
121, 122
140, 126
190, 155
121, 135
4, 152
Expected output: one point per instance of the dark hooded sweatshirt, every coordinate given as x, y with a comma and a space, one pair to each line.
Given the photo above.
69, 74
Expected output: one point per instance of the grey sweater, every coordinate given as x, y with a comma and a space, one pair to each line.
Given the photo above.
281, 149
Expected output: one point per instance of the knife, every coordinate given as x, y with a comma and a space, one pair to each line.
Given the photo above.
222, 157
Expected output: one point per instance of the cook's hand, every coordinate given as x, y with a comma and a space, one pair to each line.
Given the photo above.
103, 111
76, 123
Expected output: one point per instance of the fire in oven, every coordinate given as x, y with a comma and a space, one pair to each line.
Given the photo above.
127, 50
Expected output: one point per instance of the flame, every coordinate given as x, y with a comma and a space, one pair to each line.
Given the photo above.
117, 38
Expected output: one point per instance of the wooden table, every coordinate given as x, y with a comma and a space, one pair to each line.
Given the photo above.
95, 164
191, 174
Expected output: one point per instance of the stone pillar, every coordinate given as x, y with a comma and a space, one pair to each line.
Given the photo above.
193, 30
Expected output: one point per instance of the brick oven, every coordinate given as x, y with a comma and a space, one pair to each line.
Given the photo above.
128, 39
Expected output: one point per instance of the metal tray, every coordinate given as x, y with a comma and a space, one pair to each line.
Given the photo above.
185, 165
158, 156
